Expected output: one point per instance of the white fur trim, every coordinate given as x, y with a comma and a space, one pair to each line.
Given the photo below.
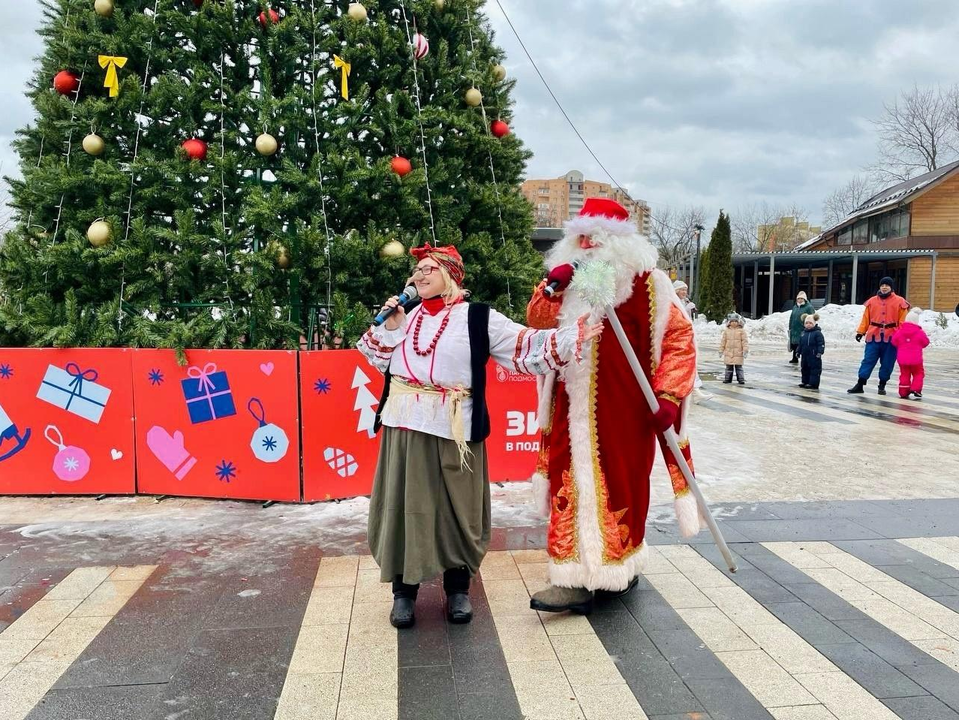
592, 224
541, 494
604, 577
545, 385
688, 514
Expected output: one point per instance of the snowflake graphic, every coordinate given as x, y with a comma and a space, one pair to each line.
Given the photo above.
71, 464
156, 377
226, 471
322, 386
269, 443
6, 372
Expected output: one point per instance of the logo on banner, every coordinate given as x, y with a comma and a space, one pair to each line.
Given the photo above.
504, 375
365, 402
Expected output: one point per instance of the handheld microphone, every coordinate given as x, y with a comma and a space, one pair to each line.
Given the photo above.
409, 293
562, 275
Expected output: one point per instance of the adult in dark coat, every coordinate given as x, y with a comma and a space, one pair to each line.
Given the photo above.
800, 308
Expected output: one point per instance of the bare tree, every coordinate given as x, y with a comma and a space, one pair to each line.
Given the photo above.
765, 227
917, 133
672, 232
843, 201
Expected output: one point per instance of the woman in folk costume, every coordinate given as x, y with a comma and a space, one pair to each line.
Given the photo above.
599, 435
430, 506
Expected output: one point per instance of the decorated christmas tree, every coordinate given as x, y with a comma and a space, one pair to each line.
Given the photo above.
217, 173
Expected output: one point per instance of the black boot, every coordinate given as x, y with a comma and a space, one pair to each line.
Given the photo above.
740, 379
459, 609
401, 616
456, 585
610, 594
858, 388
728, 375
882, 388
794, 360
404, 601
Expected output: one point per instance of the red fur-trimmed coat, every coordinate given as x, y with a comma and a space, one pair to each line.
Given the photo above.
598, 443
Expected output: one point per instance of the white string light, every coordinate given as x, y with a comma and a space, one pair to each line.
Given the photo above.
316, 139
136, 140
493, 174
423, 140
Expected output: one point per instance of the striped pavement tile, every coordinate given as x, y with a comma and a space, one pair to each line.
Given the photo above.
691, 642
942, 549
913, 616
44, 641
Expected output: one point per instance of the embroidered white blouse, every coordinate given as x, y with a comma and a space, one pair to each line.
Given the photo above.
525, 350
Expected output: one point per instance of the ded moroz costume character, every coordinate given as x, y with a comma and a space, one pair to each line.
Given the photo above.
599, 436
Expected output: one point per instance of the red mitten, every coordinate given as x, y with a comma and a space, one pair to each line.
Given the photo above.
562, 275
666, 416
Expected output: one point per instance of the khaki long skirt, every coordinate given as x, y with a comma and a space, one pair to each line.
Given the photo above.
426, 514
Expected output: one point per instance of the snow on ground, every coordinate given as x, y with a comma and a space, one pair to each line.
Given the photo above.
838, 323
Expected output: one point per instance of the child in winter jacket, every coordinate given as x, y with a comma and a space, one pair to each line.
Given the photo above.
811, 352
734, 348
910, 340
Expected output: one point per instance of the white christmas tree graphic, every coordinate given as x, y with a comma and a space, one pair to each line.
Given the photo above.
366, 403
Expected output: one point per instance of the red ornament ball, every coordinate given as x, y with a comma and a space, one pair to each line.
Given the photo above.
272, 14
197, 3
195, 149
400, 165
65, 82
499, 128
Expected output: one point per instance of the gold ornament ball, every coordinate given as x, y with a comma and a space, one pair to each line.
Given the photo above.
499, 72
283, 259
473, 97
99, 233
393, 249
266, 144
103, 8
357, 12
93, 144
439, 4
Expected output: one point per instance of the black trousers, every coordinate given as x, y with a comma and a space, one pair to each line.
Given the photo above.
455, 580
810, 371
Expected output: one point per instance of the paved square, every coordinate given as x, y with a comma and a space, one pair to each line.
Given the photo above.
842, 512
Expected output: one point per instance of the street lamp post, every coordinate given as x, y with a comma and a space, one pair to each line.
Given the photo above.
695, 280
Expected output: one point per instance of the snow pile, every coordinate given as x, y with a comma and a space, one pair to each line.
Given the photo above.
838, 323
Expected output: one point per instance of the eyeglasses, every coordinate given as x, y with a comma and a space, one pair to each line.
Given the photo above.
426, 270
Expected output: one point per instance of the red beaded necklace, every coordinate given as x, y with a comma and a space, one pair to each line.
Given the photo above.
436, 339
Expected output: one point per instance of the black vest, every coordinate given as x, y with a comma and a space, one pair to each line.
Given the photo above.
478, 316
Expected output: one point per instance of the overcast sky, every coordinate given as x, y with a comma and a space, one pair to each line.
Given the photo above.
720, 103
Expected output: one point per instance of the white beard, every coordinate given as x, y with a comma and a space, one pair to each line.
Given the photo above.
629, 256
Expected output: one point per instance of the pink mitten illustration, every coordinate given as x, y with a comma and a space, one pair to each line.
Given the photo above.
170, 451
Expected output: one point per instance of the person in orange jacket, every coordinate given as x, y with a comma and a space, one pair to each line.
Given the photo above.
882, 316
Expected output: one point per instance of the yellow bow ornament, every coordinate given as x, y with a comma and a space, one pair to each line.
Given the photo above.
339, 62
111, 63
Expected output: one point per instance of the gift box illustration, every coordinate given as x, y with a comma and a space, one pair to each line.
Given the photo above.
208, 395
75, 391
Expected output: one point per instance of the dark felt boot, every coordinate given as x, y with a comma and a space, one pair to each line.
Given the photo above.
858, 388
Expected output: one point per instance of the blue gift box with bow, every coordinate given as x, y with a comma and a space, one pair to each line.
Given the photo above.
208, 394
75, 390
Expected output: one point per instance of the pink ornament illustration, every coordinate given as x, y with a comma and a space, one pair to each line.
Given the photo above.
70, 463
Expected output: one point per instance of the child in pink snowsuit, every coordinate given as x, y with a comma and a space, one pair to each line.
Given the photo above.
910, 340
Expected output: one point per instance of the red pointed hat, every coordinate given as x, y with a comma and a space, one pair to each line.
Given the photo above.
446, 255
602, 214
